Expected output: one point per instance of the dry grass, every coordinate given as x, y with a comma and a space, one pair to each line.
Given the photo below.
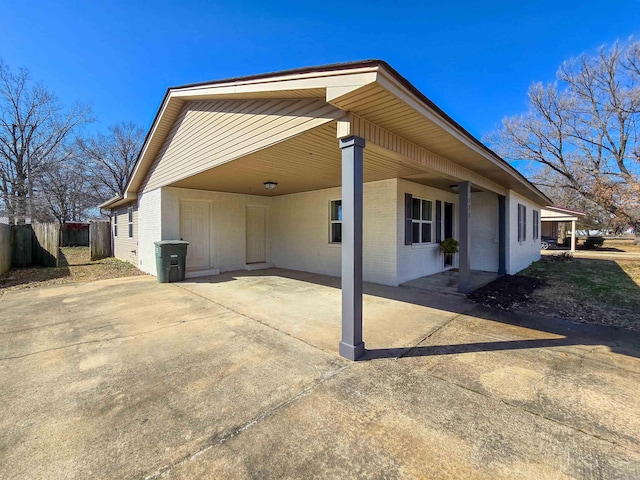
623, 245
590, 290
74, 266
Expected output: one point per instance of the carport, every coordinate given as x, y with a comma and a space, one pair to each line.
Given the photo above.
552, 216
301, 140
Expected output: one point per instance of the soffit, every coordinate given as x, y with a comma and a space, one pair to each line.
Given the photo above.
310, 161
391, 111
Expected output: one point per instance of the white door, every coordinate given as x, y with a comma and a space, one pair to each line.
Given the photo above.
195, 218
256, 235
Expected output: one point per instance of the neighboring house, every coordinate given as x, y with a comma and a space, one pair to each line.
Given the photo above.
323, 169
551, 217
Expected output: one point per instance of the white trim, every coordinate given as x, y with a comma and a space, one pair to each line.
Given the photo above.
421, 222
202, 273
130, 222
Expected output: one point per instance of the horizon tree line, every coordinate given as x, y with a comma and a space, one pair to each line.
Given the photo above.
580, 134
50, 169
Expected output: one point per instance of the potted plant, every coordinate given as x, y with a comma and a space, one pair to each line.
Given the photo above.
449, 247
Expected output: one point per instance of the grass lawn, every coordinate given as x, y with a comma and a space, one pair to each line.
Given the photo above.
74, 266
605, 292
622, 244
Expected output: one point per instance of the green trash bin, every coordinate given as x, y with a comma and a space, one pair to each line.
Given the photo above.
171, 258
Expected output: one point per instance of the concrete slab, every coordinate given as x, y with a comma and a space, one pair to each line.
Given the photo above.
308, 307
394, 419
447, 282
236, 378
117, 378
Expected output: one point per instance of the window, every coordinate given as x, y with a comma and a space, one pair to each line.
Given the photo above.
115, 224
536, 224
335, 227
422, 220
130, 218
522, 223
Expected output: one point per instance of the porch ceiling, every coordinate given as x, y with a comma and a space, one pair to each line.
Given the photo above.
395, 112
310, 161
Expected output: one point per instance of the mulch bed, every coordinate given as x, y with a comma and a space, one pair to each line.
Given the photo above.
506, 292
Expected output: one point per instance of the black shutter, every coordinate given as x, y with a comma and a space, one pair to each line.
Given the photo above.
408, 219
438, 221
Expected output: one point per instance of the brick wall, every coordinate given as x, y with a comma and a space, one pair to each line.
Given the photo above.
150, 229
228, 223
484, 231
300, 232
415, 261
520, 254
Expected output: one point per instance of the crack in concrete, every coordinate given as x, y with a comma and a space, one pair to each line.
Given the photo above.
537, 414
429, 335
88, 342
234, 432
517, 407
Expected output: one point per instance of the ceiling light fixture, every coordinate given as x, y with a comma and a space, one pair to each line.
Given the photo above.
270, 185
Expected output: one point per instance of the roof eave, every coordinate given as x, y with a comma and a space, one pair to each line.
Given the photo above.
118, 201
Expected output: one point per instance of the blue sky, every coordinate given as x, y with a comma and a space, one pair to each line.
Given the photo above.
474, 59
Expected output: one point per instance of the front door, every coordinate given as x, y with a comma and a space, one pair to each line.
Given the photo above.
195, 228
448, 230
256, 235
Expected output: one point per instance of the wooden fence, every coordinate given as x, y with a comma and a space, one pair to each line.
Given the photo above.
37, 244
5, 248
100, 239
74, 235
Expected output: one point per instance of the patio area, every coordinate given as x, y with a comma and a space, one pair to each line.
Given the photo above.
268, 296
447, 282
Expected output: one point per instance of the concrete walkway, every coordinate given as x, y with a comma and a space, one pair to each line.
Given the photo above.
238, 376
447, 282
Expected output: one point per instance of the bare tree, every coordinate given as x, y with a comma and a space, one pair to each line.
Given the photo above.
67, 192
32, 127
110, 158
583, 129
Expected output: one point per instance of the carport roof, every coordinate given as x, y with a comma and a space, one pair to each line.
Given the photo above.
371, 89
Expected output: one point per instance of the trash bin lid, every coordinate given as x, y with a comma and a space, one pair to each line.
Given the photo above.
171, 242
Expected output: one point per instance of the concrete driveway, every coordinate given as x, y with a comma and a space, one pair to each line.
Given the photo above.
237, 376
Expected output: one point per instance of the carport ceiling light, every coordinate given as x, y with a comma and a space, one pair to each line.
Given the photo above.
270, 185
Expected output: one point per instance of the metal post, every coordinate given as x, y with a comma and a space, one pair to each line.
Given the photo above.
502, 235
352, 346
464, 260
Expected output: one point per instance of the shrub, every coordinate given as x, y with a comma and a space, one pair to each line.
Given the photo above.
593, 242
562, 257
449, 246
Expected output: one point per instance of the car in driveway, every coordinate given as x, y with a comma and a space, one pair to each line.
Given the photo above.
548, 242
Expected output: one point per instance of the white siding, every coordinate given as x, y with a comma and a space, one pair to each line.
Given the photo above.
300, 232
415, 261
150, 228
125, 247
210, 133
520, 254
484, 231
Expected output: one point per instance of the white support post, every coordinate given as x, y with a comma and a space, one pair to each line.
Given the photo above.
573, 236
